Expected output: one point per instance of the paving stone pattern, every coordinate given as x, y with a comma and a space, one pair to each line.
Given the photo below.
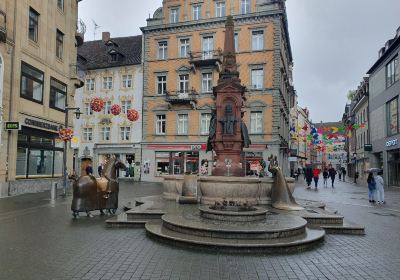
41, 241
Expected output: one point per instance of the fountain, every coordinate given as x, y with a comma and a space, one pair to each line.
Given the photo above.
231, 215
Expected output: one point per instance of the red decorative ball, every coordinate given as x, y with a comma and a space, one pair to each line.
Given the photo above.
97, 104
133, 115
66, 134
115, 109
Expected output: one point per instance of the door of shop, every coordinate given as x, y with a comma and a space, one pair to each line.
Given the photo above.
394, 168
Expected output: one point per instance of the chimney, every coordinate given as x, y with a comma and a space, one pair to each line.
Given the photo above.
105, 36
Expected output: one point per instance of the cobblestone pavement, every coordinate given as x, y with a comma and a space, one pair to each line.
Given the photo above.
41, 241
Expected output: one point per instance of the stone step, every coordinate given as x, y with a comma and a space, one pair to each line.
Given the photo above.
323, 219
345, 228
121, 221
146, 214
273, 227
309, 239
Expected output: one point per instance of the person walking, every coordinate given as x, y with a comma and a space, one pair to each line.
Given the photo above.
89, 169
380, 192
308, 175
343, 173
315, 173
340, 173
100, 169
325, 175
332, 174
371, 187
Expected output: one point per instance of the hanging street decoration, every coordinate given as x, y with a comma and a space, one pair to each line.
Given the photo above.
66, 134
97, 104
133, 115
115, 109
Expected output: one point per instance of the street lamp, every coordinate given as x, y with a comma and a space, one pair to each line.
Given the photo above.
65, 174
355, 167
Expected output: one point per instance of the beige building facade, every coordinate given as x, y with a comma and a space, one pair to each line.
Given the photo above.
38, 59
183, 44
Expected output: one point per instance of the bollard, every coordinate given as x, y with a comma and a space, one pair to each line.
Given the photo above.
53, 192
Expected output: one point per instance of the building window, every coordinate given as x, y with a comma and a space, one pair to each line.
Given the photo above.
60, 4
392, 71
59, 44
392, 117
208, 47
31, 83
38, 154
161, 85
87, 109
196, 12
107, 107
58, 95
256, 122
257, 77
89, 84
126, 105
257, 40
244, 6
107, 83
163, 50
176, 163
127, 81
160, 124
184, 83
205, 123
105, 133
220, 9
33, 25
174, 15
125, 133
236, 42
114, 57
182, 124
207, 82
184, 48
87, 134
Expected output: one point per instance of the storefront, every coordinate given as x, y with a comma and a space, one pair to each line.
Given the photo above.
393, 165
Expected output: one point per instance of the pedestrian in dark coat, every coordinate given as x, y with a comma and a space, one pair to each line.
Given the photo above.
332, 174
89, 169
325, 175
344, 173
308, 175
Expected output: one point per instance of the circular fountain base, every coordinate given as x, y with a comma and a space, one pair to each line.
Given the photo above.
233, 213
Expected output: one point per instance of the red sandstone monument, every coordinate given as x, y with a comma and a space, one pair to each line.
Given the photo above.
228, 132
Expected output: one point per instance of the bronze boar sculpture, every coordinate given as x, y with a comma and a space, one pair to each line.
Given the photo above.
90, 193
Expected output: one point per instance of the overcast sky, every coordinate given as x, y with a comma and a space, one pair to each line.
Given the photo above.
334, 42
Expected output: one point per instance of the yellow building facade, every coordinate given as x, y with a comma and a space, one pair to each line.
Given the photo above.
39, 78
183, 44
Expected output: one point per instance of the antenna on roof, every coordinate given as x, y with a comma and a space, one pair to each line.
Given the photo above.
96, 26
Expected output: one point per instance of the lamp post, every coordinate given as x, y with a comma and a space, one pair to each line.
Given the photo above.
65, 173
355, 167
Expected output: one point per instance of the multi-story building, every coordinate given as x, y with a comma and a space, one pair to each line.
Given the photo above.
182, 58
38, 78
114, 73
360, 153
304, 152
348, 120
384, 92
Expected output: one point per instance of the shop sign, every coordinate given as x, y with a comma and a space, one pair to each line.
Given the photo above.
368, 148
12, 126
40, 124
195, 147
391, 143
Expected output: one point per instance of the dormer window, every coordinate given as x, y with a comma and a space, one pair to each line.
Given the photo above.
111, 44
114, 57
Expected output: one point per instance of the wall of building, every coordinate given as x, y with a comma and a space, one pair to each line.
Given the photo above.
40, 54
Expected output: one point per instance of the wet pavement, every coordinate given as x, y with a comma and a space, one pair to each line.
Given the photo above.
40, 240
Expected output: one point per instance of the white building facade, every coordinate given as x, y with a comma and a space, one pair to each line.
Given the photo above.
116, 78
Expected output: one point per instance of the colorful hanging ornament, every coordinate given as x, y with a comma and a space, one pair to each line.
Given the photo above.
97, 104
115, 109
66, 134
133, 115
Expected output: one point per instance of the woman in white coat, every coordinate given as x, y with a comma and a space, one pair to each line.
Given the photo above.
380, 193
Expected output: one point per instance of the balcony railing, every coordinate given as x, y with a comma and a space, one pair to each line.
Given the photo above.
80, 32
78, 73
205, 58
181, 97
3, 27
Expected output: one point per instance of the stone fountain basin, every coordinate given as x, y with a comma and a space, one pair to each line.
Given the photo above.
219, 188
233, 213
